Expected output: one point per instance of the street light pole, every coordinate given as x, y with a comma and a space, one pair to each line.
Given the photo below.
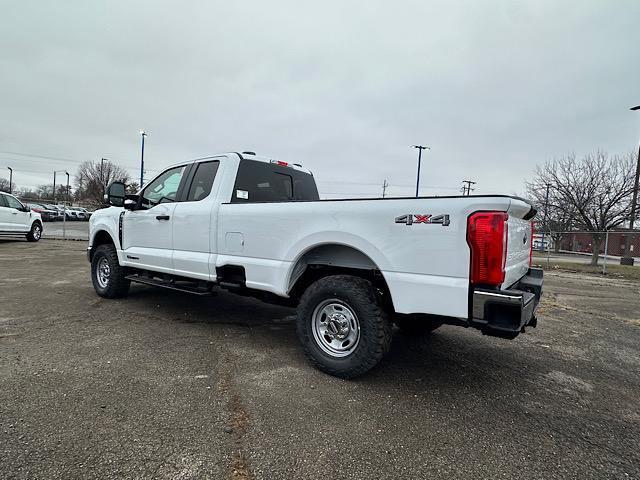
102, 176
10, 178
54, 183
67, 174
627, 258
420, 148
143, 134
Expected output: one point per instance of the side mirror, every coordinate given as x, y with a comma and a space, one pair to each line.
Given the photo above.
26, 208
115, 194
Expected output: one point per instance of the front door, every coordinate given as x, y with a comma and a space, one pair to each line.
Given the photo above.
147, 235
17, 219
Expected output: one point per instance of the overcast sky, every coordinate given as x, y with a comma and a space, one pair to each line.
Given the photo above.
342, 87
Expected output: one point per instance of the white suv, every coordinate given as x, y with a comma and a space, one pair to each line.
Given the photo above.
17, 219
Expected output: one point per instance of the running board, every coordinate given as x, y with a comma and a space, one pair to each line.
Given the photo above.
169, 284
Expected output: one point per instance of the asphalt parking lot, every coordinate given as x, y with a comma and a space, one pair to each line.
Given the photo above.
75, 230
166, 385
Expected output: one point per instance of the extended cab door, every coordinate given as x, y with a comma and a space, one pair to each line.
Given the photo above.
147, 233
195, 222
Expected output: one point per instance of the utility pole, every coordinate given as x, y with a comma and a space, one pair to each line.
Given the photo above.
544, 218
467, 188
384, 188
420, 148
143, 134
627, 258
10, 178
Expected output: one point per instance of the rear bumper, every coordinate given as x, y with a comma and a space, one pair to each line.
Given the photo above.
505, 313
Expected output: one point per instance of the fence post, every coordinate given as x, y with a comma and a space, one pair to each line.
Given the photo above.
606, 248
64, 221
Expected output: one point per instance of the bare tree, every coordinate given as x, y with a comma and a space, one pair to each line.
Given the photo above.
4, 185
132, 187
94, 177
560, 218
45, 193
597, 188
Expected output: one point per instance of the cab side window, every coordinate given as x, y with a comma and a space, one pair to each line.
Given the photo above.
202, 181
12, 202
3, 203
164, 188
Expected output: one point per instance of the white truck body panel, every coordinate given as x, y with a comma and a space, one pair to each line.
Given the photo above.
425, 265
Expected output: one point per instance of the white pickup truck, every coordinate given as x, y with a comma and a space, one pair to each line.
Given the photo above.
256, 226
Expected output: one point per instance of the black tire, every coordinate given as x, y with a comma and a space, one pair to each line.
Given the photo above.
35, 234
111, 285
357, 296
416, 325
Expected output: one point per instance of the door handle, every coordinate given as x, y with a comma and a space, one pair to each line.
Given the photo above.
14, 213
162, 217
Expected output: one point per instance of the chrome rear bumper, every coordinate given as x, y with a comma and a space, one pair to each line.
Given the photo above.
506, 313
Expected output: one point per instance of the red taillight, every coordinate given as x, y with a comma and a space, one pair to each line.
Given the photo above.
487, 238
280, 162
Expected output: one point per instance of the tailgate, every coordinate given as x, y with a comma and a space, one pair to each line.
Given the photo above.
518, 242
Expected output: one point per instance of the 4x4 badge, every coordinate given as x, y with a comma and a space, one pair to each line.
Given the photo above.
411, 218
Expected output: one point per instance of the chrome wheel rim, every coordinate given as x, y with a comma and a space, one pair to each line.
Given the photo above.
103, 273
336, 328
37, 231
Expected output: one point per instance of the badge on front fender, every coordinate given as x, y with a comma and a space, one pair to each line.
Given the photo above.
411, 218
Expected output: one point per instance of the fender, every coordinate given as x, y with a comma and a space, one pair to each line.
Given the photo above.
306, 244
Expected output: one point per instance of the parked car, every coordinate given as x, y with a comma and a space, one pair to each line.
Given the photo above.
17, 218
47, 214
86, 213
69, 213
256, 227
58, 211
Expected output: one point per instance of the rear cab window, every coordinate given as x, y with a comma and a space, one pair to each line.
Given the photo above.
205, 174
267, 182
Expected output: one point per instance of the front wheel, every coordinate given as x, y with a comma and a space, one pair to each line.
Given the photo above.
343, 327
35, 234
107, 275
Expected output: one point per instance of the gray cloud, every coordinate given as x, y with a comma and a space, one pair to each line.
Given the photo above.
343, 87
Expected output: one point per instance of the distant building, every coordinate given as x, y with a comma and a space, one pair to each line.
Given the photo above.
583, 242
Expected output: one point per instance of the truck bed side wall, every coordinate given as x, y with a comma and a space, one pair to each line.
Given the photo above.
426, 266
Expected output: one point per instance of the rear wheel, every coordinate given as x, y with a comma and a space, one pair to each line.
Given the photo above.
107, 275
342, 325
35, 234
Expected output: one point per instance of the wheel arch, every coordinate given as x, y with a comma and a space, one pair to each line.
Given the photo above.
101, 237
331, 258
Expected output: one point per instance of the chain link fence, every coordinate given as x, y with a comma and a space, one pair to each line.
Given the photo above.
599, 251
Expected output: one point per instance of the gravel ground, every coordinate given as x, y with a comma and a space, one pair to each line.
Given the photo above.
167, 385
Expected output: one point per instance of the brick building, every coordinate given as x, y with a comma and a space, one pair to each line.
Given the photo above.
583, 242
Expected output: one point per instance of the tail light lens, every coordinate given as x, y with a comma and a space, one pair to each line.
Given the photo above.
487, 239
